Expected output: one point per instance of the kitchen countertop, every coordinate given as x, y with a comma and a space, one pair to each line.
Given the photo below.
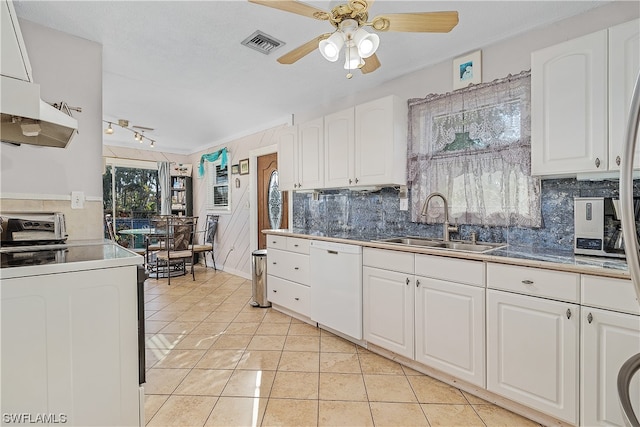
68, 257
514, 255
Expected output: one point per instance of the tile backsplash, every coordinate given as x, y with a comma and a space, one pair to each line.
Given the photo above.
371, 215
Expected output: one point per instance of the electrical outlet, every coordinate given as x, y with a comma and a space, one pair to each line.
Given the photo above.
404, 204
77, 200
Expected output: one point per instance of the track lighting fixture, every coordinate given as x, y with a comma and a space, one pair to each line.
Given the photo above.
138, 135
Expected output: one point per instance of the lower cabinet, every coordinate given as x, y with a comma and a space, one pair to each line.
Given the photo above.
288, 273
388, 309
449, 321
532, 352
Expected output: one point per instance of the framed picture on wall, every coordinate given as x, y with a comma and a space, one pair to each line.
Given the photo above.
235, 169
244, 166
467, 70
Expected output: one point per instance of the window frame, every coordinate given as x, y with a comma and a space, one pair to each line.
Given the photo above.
211, 177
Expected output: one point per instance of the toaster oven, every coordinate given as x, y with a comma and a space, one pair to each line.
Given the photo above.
32, 228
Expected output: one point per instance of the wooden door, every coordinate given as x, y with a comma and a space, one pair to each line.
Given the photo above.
266, 165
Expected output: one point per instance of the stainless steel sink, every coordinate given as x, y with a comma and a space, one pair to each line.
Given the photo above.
462, 246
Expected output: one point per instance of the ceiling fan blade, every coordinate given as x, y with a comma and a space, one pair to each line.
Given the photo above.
428, 22
371, 64
294, 7
302, 51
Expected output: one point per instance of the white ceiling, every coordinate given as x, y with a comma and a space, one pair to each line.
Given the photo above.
178, 66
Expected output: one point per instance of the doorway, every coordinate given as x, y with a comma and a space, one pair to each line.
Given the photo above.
266, 165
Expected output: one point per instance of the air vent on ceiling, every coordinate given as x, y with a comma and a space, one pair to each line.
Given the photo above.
262, 42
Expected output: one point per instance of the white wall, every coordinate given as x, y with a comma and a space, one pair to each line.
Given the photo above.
42, 178
232, 242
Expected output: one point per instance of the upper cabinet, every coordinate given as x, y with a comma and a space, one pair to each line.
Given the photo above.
301, 156
15, 62
364, 145
580, 92
624, 65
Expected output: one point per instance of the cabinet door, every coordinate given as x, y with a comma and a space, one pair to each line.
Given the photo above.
287, 139
388, 309
311, 155
532, 352
450, 328
608, 340
380, 148
624, 65
339, 149
569, 106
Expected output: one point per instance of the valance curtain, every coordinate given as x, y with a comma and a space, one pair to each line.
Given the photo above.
212, 157
474, 146
164, 176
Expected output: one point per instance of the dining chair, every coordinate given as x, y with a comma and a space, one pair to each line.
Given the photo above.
108, 222
178, 250
209, 237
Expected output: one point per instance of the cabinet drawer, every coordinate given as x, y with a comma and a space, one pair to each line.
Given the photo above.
451, 269
288, 294
558, 285
388, 260
295, 244
279, 242
288, 265
613, 294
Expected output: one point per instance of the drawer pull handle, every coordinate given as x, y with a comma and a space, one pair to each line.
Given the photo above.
296, 268
332, 252
417, 283
568, 313
297, 299
407, 280
597, 162
295, 245
275, 290
618, 160
590, 318
527, 282
274, 263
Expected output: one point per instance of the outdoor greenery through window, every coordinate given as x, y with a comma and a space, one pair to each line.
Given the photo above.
131, 195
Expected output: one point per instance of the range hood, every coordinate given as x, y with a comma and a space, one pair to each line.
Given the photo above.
25, 117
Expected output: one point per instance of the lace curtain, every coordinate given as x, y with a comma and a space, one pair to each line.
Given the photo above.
474, 146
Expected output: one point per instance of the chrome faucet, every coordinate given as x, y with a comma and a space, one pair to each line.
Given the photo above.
447, 228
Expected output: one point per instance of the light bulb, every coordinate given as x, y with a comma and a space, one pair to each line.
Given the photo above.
109, 130
152, 144
330, 48
366, 43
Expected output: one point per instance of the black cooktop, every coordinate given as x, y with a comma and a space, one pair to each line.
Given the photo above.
50, 254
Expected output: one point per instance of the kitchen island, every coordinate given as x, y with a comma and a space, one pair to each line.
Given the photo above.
70, 335
540, 333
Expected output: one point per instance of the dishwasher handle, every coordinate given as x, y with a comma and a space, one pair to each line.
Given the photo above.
332, 252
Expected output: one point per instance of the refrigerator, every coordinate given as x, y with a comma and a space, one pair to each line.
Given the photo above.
632, 366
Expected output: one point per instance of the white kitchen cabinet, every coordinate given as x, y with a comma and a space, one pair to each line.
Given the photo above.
610, 334
70, 346
450, 328
624, 65
450, 316
532, 352
569, 106
339, 149
381, 142
580, 97
288, 274
301, 156
608, 340
388, 300
287, 140
15, 62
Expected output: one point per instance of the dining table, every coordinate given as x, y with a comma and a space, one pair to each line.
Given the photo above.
149, 232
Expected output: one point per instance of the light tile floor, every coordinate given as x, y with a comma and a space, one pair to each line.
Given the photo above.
213, 360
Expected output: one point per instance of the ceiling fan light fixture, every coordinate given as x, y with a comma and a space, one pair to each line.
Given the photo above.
367, 43
330, 48
352, 60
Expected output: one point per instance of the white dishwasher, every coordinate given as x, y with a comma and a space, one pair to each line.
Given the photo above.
336, 286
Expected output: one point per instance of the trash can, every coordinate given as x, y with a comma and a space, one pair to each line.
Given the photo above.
259, 279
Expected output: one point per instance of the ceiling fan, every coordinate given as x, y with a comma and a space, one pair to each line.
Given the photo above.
349, 19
